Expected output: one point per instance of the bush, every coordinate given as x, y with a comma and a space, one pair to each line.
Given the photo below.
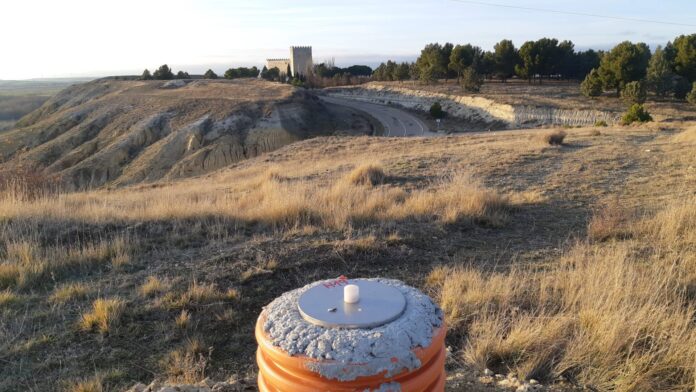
592, 85
436, 111
600, 123
691, 97
634, 92
209, 74
554, 138
183, 75
472, 80
636, 113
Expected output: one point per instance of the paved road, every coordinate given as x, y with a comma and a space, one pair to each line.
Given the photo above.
396, 122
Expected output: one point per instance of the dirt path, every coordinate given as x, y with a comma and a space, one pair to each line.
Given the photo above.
396, 122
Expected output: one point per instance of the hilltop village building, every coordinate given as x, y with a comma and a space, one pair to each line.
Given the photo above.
299, 63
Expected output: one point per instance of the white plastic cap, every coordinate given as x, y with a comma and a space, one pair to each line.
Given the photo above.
351, 294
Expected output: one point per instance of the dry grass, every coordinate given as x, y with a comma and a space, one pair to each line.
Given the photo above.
7, 298
338, 204
104, 316
686, 136
92, 384
29, 263
607, 317
553, 138
153, 286
183, 319
610, 221
187, 365
199, 294
69, 292
368, 174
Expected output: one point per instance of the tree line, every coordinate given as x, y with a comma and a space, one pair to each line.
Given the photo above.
669, 70
164, 72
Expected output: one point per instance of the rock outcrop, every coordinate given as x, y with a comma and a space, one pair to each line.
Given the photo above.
475, 109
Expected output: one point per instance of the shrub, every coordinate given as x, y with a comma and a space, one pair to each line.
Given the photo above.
600, 123
183, 75
634, 92
369, 174
436, 111
636, 113
472, 80
691, 97
592, 85
105, 314
554, 138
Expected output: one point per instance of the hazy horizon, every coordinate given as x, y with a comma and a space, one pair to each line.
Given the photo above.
78, 38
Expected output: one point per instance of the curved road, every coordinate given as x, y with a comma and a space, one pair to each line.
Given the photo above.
396, 122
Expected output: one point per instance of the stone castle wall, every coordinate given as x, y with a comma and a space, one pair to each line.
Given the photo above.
281, 64
300, 59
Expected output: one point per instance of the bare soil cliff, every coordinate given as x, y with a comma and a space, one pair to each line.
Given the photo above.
110, 132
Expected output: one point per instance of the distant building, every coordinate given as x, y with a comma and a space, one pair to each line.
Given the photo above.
300, 61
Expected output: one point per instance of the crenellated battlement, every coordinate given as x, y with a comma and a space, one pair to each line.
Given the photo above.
301, 47
277, 59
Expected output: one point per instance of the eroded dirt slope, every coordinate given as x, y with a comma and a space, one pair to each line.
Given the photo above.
111, 132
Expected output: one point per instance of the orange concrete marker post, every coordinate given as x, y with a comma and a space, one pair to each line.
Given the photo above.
357, 335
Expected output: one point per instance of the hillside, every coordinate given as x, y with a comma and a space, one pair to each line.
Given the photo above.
110, 132
573, 265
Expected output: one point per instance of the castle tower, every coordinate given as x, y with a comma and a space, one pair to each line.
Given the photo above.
300, 59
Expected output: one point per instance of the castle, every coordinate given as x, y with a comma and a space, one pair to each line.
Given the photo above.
300, 61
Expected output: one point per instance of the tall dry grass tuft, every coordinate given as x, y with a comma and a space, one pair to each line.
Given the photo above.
199, 294
457, 198
368, 174
610, 220
7, 298
153, 286
616, 316
187, 364
69, 292
105, 314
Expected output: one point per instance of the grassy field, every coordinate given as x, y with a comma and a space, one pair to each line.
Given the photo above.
573, 261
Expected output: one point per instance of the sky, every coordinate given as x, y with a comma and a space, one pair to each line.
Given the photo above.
76, 38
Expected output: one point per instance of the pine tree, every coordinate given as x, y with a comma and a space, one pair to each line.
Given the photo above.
592, 86
146, 75
163, 73
660, 74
